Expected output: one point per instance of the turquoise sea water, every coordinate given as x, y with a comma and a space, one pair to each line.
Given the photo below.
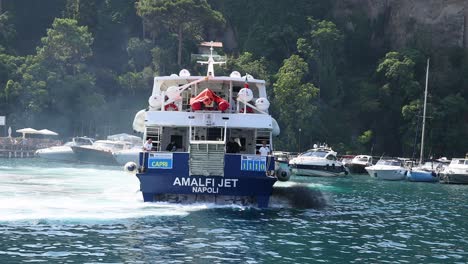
65, 213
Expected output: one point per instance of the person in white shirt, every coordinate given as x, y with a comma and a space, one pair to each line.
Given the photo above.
148, 145
264, 150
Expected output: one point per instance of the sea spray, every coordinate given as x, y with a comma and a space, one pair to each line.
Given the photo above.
298, 196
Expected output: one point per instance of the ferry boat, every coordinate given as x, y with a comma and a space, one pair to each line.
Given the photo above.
201, 117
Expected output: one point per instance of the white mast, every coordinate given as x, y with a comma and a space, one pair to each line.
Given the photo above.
211, 62
424, 116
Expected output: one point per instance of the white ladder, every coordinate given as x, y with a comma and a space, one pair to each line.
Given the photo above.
155, 134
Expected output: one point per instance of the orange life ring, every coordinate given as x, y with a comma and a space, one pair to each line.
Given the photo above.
171, 107
249, 110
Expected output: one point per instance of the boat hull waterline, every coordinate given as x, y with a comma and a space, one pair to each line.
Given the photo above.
60, 153
318, 171
454, 178
422, 176
94, 156
387, 174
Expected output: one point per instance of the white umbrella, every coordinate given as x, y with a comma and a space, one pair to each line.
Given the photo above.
9, 132
27, 130
47, 132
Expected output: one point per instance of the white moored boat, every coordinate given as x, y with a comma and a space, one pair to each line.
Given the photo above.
359, 163
456, 172
101, 152
390, 170
65, 152
319, 161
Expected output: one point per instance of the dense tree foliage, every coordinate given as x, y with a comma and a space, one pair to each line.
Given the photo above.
85, 67
182, 17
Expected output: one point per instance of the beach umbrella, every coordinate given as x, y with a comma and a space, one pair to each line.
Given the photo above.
47, 132
9, 132
27, 130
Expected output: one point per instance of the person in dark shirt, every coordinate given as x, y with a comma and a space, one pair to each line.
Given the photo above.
171, 146
232, 146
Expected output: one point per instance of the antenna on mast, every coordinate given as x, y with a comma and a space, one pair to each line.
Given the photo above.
211, 62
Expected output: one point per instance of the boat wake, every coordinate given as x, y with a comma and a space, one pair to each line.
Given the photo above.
298, 196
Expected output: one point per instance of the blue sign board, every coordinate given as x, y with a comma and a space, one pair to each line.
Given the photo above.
253, 163
160, 161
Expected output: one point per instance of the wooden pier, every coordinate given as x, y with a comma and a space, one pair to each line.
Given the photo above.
24, 147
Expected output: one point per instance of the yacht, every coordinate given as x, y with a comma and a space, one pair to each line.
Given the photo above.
190, 120
320, 161
65, 152
101, 152
455, 172
359, 163
388, 169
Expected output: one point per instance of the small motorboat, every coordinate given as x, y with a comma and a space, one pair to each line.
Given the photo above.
65, 152
359, 163
101, 152
456, 172
388, 169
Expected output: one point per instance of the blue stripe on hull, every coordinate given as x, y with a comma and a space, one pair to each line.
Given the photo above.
422, 176
235, 182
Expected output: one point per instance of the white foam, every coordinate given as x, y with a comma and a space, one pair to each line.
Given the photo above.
76, 193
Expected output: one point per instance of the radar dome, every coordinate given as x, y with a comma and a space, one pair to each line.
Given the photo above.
245, 95
248, 76
235, 74
184, 73
262, 103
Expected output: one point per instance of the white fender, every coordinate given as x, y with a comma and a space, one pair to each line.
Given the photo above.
262, 103
139, 121
245, 95
275, 127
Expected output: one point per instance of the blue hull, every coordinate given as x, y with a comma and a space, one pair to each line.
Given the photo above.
422, 176
239, 180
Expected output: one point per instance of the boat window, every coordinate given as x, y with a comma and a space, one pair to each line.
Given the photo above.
389, 162
363, 159
119, 146
319, 154
461, 162
331, 157
102, 144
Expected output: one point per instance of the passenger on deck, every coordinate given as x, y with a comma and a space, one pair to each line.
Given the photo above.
171, 146
148, 145
264, 150
232, 146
